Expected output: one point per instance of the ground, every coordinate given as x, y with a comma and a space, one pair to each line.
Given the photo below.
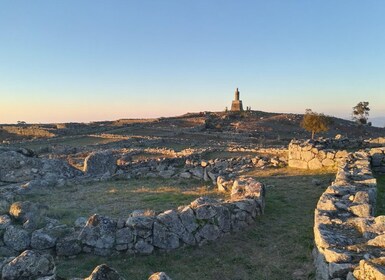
277, 247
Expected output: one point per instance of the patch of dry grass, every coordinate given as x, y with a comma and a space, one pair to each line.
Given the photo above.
119, 198
277, 247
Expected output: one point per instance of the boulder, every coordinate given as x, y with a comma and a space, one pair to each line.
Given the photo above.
17, 238
104, 272
99, 232
68, 245
144, 247
30, 214
100, 163
29, 265
46, 238
5, 221
159, 276
15, 167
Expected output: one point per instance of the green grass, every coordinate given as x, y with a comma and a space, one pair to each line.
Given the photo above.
277, 247
380, 206
119, 198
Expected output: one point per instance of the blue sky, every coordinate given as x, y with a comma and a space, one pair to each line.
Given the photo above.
97, 60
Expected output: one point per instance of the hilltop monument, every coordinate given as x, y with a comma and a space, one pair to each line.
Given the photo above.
236, 105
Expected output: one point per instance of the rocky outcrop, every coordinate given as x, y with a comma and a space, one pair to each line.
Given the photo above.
349, 241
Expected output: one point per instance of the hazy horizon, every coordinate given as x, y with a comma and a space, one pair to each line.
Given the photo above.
95, 60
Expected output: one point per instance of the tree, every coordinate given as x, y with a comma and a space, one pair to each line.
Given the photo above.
315, 122
361, 113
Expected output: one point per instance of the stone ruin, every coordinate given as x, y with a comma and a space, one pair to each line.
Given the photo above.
316, 154
349, 240
26, 231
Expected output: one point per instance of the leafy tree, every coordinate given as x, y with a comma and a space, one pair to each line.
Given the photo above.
315, 122
361, 112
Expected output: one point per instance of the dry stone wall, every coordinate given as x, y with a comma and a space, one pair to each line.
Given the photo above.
317, 154
25, 227
349, 240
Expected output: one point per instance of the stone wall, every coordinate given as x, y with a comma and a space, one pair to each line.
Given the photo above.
314, 154
378, 159
349, 240
25, 227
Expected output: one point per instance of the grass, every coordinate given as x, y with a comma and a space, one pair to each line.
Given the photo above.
74, 141
277, 247
119, 198
380, 206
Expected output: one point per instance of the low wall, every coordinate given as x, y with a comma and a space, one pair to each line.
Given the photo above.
314, 155
349, 240
143, 232
378, 159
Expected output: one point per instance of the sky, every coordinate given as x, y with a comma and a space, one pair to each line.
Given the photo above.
78, 60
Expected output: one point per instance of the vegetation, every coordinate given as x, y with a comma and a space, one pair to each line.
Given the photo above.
361, 113
278, 247
118, 198
315, 122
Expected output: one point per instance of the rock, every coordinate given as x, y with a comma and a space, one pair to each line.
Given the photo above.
59, 169
223, 185
32, 215
185, 175
209, 232
100, 163
16, 167
29, 265
5, 221
163, 238
46, 238
68, 245
294, 163
327, 162
370, 269
80, 222
99, 232
5, 203
188, 219
166, 173
17, 238
104, 272
197, 172
159, 276
124, 236
143, 247
314, 164
141, 225
361, 210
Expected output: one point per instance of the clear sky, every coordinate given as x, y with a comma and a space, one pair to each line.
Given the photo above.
64, 60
